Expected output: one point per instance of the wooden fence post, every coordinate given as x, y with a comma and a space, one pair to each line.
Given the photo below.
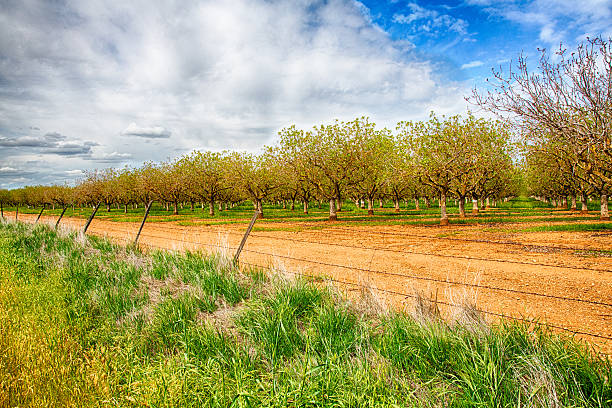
143, 221
60, 217
91, 217
246, 235
16, 213
39, 214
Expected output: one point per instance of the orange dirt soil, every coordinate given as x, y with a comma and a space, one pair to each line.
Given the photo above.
437, 262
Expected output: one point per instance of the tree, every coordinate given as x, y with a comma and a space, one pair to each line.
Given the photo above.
168, 183
437, 148
569, 100
256, 176
373, 149
206, 174
326, 156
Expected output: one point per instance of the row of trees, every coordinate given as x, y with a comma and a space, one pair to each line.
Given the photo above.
443, 158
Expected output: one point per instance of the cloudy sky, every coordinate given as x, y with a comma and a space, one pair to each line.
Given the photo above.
92, 84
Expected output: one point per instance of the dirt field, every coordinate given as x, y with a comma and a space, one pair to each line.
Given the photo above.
554, 277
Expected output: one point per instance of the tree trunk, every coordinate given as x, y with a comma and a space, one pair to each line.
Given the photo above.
338, 204
260, 209
488, 206
319, 201
108, 207
475, 210
605, 215
585, 208
443, 215
192, 207
370, 205
380, 203
573, 208
220, 206
175, 207
125, 208
284, 205
417, 204
293, 204
211, 208
426, 202
565, 202
305, 207
362, 204
333, 215
462, 207
396, 204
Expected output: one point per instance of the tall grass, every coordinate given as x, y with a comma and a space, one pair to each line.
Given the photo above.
86, 323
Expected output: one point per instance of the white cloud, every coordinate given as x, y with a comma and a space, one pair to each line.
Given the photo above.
429, 20
218, 74
472, 64
153, 132
556, 20
110, 157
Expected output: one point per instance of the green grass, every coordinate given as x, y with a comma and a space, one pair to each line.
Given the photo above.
517, 210
601, 226
84, 322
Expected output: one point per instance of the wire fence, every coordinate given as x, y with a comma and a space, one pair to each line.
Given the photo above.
170, 240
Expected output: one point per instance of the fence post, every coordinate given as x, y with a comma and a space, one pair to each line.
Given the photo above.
16, 213
60, 217
39, 214
143, 221
91, 217
1, 210
246, 235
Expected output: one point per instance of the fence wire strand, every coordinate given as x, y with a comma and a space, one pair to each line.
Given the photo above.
198, 245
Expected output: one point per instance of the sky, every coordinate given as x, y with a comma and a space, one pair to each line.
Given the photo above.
91, 84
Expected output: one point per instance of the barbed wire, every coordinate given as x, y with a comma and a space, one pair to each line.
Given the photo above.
408, 295
424, 278
367, 270
430, 253
379, 272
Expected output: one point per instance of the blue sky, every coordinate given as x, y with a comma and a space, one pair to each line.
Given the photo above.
92, 84
469, 38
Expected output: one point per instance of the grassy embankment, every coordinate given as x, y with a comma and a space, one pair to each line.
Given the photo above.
87, 323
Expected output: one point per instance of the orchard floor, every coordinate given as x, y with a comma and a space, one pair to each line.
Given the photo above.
563, 279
